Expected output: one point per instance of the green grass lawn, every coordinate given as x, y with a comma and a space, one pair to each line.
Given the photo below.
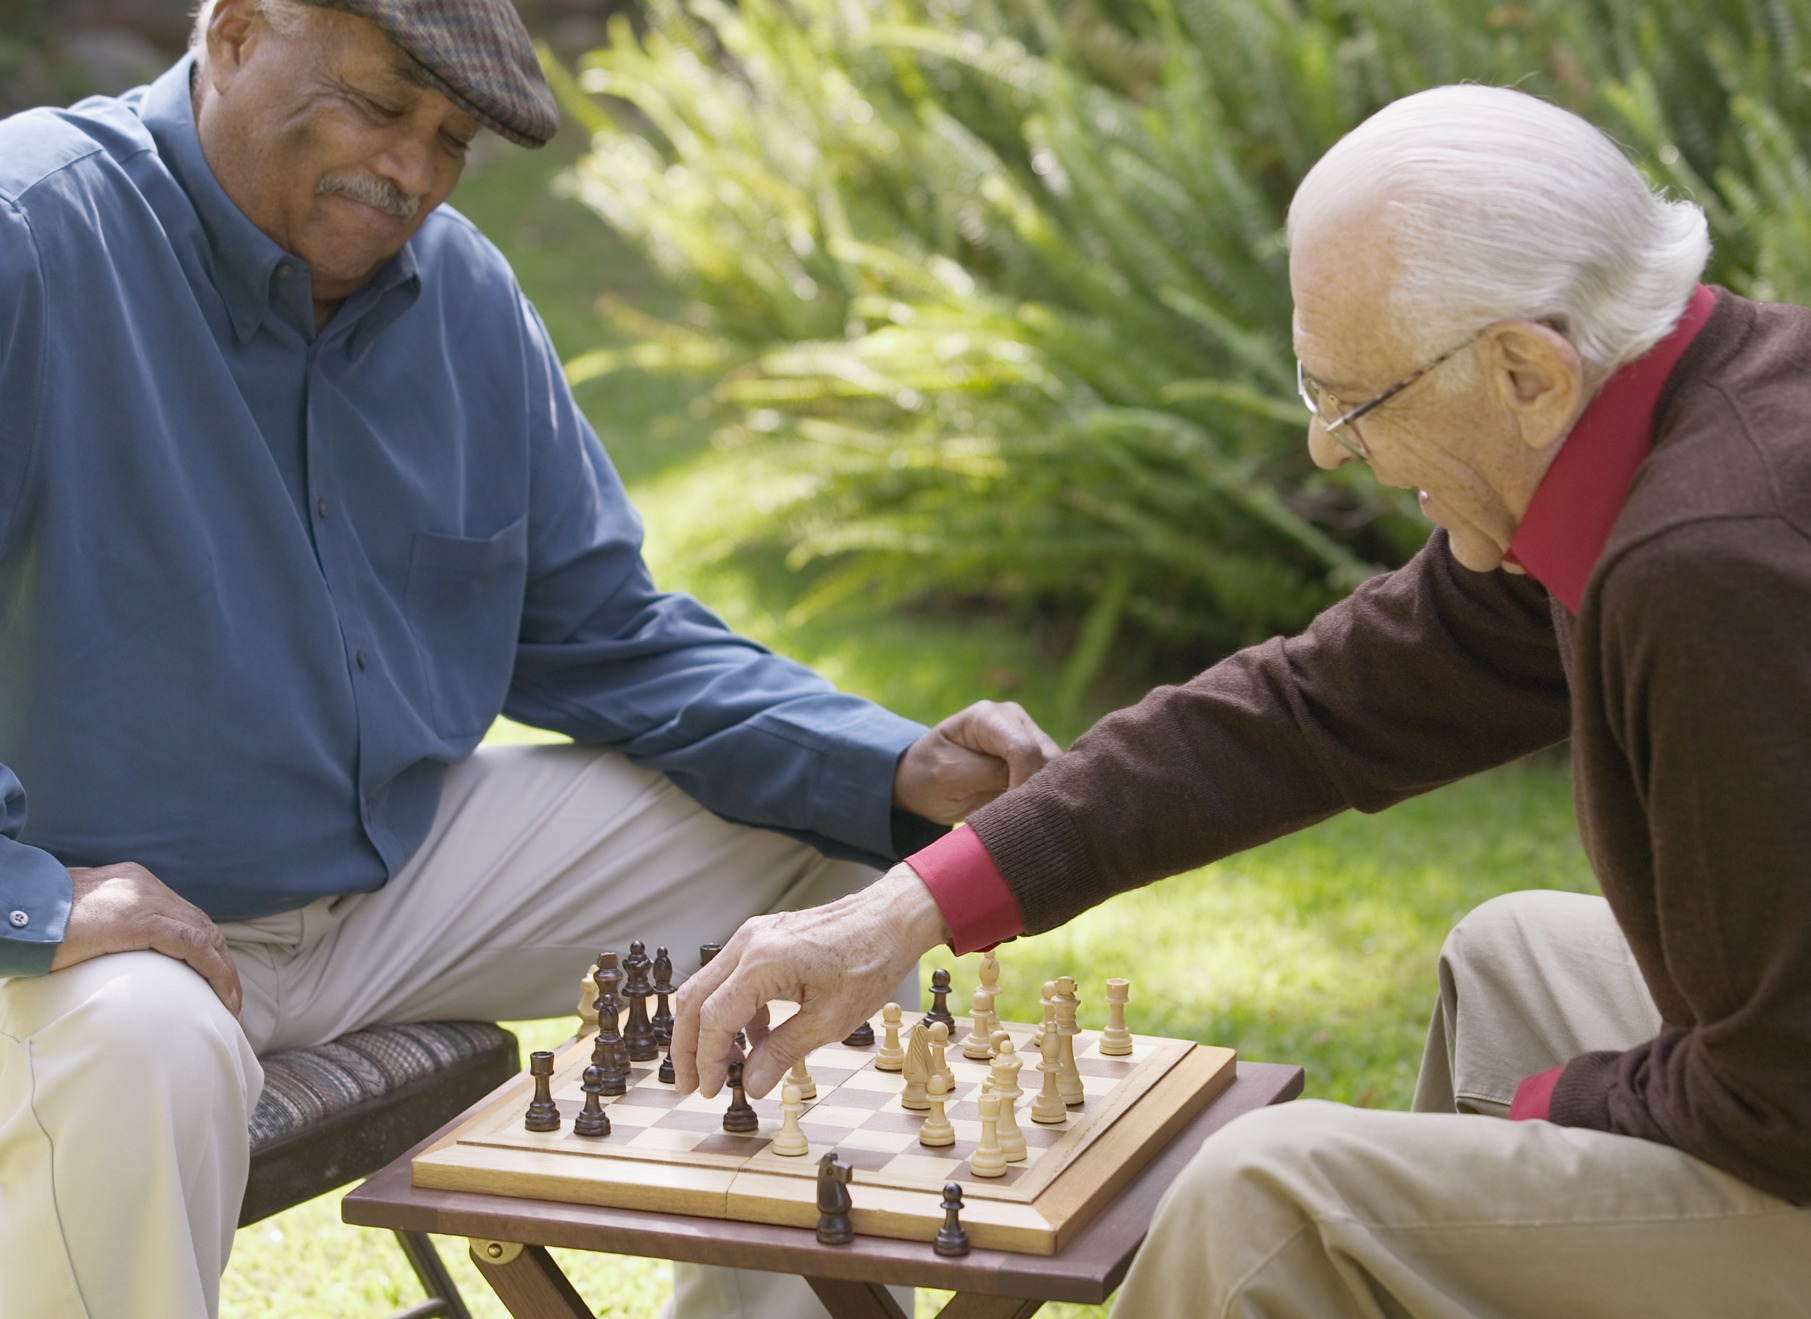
1317, 949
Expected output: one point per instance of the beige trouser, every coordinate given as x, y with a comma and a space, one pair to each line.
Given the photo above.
125, 1085
1314, 1210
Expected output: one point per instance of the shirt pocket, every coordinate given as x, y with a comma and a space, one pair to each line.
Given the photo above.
463, 600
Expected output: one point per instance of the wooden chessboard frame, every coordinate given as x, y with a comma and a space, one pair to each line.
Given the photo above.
1165, 1085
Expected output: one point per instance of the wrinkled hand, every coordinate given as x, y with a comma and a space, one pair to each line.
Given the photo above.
838, 962
124, 908
969, 759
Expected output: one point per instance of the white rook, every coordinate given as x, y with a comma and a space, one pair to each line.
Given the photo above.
1116, 1040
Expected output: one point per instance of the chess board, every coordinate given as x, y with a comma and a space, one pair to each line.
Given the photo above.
671, 1154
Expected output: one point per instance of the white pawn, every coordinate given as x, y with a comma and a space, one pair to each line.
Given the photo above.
1004, 1081
980, 1044
937, 1130
1048, 1108
940, 1063
802, 1079
989, 1159
789, 1139
1116, 1040
890, 1057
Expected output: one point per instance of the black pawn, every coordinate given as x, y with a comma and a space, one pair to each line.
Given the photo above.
666, 1070
952, 1241
543, 1114
862, 1036
592, 1120
741, 1116
940, 994
663, 989
834, 1227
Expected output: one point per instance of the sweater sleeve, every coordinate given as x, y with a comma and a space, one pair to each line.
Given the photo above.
1707, 697
1420, 677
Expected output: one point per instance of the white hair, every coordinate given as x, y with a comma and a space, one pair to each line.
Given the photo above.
284, 16
1498, 205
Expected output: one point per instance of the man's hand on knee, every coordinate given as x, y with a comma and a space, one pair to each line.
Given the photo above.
838, 962
969, 759
125, 908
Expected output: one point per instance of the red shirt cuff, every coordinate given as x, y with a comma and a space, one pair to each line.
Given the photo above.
968, 888
1533, 1096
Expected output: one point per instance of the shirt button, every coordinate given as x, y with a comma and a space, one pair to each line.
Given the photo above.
19, 919
285, 271
361, 659
321, 507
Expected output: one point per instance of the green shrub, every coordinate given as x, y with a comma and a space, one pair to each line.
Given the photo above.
994, 295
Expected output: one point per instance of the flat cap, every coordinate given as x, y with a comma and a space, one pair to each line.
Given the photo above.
475, 51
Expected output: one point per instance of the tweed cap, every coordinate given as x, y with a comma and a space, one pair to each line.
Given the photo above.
475, 51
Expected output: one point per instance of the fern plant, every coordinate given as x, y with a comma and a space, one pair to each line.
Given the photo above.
993, 292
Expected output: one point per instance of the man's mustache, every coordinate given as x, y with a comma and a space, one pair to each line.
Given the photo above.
372, 190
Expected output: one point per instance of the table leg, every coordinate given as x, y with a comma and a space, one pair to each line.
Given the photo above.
973, 1305
527, 1281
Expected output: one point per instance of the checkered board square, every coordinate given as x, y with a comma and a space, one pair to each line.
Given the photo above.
671, 1152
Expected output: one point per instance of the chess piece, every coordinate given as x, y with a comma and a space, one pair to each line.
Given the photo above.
638, 1031
940, 1063
952, 1241
587, 1008
937, 1131
989, 1158
990, 973
862, 1037
741, 1117
789, 1140
592, 1120
666, 1074
1005, 1081
608, 1054
594, 978
833, 1202
801, 1078
1068, 1077
543, 1114
917, 1070
890, 1057
664, 991
940, 999
1048, 1108
982, 1023
1116, 1040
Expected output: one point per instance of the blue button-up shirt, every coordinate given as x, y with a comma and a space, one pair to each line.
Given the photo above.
260, 585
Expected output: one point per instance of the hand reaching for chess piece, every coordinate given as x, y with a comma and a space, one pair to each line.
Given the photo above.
838, 962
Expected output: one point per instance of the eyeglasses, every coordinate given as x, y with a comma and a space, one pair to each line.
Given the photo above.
1319, 401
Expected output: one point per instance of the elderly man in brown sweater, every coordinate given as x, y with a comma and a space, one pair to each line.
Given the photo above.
1492, 308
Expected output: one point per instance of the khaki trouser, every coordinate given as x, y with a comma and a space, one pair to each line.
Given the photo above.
1314, 1210
125, 1085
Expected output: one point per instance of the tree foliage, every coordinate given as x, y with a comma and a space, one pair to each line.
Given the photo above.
994, 296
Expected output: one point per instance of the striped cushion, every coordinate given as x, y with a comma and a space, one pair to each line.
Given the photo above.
304, 1087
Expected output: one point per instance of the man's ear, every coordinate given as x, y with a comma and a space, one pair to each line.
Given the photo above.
232, 29
1538, 376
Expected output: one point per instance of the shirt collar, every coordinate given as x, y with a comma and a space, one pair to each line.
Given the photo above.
252, 273
1561, 537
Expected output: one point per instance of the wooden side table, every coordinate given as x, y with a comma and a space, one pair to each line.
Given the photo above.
509, 1236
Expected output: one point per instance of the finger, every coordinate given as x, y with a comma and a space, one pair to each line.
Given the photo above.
698, 987
729, 1009
760, 1025
807, 1029
203, 950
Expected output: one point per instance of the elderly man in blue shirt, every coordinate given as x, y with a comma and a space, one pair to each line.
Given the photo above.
293, 501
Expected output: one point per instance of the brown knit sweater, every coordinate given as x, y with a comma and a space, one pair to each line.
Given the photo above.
1684, 683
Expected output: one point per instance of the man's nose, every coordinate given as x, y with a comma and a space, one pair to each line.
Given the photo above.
1327, 452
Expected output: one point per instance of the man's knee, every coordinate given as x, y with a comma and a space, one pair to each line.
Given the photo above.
1513, 927
144, 1022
